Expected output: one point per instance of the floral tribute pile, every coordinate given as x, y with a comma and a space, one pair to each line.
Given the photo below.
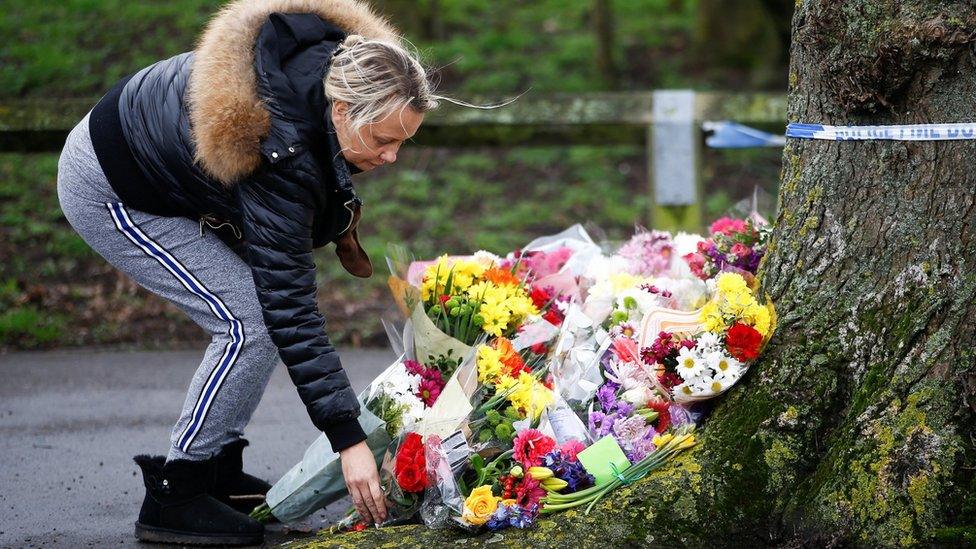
541, 380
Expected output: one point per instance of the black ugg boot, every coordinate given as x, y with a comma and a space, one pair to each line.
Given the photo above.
233, 486
178, 509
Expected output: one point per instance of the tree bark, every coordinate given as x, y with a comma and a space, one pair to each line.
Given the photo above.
603, 28
858, 424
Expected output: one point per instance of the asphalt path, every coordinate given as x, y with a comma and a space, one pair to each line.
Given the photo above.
70, 422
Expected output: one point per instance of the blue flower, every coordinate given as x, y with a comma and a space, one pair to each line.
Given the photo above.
569, 470
499, 519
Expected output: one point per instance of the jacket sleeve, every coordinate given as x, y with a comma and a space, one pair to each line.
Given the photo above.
277, 212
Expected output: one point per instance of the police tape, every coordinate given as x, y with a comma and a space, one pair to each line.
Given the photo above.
908, 132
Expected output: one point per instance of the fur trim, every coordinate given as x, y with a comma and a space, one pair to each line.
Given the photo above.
227, 119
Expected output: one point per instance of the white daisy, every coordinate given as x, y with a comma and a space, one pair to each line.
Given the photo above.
715, 385
687, 389
707, 342
724, 365
690, 364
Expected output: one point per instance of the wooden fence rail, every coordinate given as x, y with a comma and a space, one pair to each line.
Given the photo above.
667, 122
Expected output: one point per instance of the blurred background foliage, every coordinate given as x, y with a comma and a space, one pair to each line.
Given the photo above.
54, 291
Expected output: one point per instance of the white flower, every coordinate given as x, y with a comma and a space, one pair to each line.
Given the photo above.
414, 409
690, 364
688, 389
637, 396
636, 298
400, 382
486, 258
708, 343
724, 366
714, 386
684, 244
687, 294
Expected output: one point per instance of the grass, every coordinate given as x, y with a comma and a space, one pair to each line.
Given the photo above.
78, 48
55, 291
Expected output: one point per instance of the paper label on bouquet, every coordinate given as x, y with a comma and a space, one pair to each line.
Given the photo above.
602, 457
660, 319
565, 423
429, 340
456, 449
447, 414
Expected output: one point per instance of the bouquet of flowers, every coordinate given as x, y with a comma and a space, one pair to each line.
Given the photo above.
542, 380
736, 245
468, 298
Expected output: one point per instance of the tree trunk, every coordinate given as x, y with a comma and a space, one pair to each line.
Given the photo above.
857, 425
739, 44
604, 30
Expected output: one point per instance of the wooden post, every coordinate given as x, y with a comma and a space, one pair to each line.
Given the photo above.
674, 154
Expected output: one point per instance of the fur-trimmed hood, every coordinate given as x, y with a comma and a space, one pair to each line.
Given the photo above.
227, 118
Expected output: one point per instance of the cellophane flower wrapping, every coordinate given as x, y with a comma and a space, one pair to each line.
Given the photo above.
446, 459
316, 481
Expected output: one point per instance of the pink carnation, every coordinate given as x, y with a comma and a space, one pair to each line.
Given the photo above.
571, 448
741, 250
728, 226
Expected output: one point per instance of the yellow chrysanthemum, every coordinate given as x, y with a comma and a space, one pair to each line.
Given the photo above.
530, 396
489, 362
504, 381
758, 316
731, 283
711, 317
624, 281
463, 273
503, 308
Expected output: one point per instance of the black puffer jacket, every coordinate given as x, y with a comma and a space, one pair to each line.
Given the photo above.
273, 168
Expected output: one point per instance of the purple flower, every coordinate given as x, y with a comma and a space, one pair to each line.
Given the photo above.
607, 396
600, 423
642, 447
569, 470
512, 516
629, 429
624, 408
523, 517
680, 416
499, 519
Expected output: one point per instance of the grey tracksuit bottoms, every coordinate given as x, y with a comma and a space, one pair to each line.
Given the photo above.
200, 274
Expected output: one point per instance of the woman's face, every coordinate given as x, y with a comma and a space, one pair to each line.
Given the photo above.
375, 144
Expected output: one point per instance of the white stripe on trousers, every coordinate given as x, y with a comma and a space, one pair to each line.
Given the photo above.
235, 328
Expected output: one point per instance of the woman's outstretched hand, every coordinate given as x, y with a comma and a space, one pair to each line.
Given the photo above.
363, 482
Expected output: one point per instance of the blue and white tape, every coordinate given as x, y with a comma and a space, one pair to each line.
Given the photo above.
908, 132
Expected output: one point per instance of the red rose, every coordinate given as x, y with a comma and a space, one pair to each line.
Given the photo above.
743, 342
410, 465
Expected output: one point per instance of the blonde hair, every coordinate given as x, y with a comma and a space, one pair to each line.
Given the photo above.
377, 78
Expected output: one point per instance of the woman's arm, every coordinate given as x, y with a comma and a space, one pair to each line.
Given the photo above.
277, 212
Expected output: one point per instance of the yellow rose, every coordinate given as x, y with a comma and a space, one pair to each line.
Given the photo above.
480, 505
